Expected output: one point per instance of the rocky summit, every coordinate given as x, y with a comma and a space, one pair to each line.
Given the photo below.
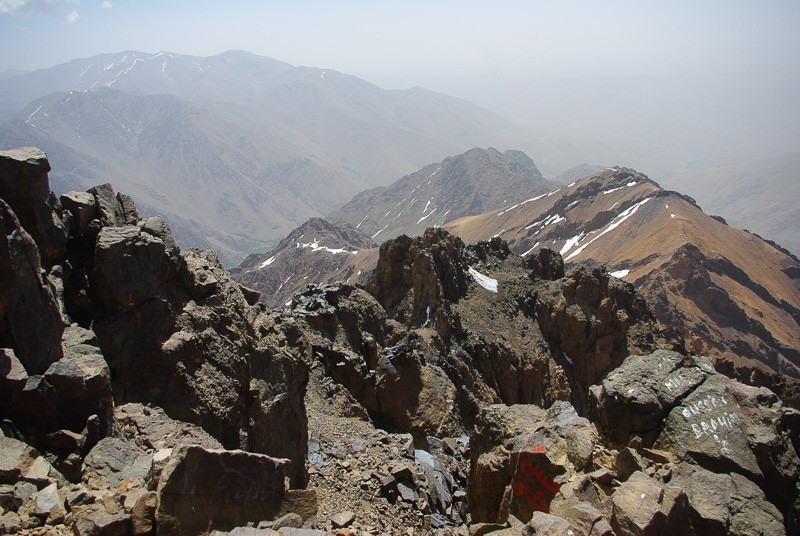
457, 389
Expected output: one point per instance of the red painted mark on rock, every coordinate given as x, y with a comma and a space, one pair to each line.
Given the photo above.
530, 482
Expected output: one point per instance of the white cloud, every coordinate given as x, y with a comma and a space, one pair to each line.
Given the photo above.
71, 17
29, 7
106, 4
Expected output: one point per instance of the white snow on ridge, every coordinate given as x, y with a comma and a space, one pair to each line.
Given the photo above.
508, 209
570, 185
632, 183
34, 113
619, 274
316, 247
616, 222
267, 262
612, 190
530, 250
485, 281
571, 243
554, 192
425, 217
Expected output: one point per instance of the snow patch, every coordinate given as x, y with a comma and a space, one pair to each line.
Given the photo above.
485, 281
571, 243
619, 274
672, 215
530, 250
616, 222
570, 185
554, 192
267, 262
316, 247
425, 217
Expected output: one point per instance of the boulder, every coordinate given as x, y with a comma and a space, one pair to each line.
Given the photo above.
521, 455
101, 523
130, 267
546, 525
30, 319
20, 462
114, 209
82, 206
24, 185
82, 383
203, 490
114, 462
681, 406
643, 506
726, 503
634, 399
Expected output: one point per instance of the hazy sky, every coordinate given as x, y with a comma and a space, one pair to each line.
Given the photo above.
398, 44
703, 78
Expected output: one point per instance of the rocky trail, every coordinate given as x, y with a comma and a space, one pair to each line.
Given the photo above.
461, 389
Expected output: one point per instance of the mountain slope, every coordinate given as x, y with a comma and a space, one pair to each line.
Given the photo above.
471, 183
316, 252
275, 144
726, 292
762, 195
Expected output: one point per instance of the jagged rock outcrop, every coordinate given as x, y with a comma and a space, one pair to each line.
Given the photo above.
25, 187
163, 399
100, 308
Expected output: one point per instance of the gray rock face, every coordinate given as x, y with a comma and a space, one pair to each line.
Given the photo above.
726, 503
31, 319
130, 267
203, 490
113, 462
151, 428
642, 506
19, 462
679, 405
25, 187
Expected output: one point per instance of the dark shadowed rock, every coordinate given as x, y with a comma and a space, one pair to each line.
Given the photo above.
30, 319
25, 187
545, 264
203, 490
83, 208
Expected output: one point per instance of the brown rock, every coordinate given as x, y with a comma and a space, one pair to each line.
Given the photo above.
202, 490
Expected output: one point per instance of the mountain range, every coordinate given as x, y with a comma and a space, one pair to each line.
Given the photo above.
719, 290
235, 150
